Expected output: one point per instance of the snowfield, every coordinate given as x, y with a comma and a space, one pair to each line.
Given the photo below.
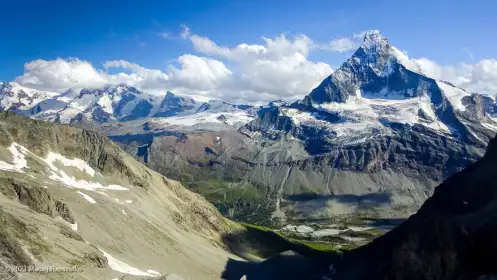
361, 115
70, 181
19, 163
76, 162
123, 267
232, 118
18, 159
454, 94
87, 198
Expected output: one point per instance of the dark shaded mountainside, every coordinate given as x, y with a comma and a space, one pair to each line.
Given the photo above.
452, 236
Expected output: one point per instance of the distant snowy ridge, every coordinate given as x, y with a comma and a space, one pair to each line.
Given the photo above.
15, 96
119, 103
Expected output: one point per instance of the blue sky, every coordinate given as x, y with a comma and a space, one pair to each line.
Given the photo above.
447, 32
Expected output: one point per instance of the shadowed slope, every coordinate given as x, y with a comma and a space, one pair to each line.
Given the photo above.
451, 237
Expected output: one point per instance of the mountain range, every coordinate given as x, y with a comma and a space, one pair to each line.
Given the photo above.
373, 139
377, 141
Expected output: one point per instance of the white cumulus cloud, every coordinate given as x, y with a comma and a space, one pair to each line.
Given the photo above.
138, 76
341, 45
192, 72
199, 73
60, 74
277, 69
479, 77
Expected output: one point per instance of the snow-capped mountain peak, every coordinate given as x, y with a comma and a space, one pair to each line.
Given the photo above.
111, 90
374, 42
379, 88
13, 96
376, 52
123, 88
375, 70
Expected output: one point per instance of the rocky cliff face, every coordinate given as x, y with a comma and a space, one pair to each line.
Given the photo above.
451, 237
72, 198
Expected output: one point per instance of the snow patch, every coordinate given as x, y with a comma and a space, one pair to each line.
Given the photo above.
18, 159
331, 231
298, 229
87, 197
297, 116
123, 267
153, 272
355, 228
196, 98
70, 181
454, 95
232, 118
76, 162
328, 232
106, 104
124, 212
74, 226
353, 239
102, 193
489, 126
405, 60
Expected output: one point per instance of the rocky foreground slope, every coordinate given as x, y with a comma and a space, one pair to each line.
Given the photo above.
72, 198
